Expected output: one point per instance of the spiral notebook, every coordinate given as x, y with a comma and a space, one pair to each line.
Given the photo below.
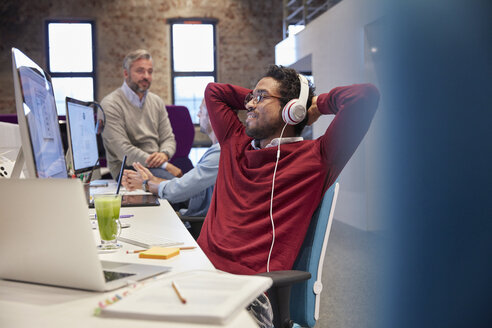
212, 297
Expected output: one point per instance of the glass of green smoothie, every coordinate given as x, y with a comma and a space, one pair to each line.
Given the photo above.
108, 219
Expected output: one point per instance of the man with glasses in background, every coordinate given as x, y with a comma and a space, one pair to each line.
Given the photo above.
137, 123
270, 180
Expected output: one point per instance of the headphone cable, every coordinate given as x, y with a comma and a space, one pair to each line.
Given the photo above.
271, 198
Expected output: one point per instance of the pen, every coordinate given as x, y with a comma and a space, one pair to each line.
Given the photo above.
180, 295
133, 251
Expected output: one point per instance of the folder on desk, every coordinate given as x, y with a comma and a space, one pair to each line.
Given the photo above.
212, 297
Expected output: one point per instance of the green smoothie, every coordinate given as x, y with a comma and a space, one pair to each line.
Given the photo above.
108, 211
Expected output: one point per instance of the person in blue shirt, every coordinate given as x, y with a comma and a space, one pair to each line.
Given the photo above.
196, 186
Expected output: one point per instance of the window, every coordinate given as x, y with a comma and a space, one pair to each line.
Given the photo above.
70, 57
193, 61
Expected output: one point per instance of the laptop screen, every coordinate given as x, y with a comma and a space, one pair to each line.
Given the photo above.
82, 138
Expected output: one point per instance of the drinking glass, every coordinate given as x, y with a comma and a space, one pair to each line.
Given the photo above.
108, 220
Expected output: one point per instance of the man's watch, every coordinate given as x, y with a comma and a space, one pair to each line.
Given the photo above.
145, 185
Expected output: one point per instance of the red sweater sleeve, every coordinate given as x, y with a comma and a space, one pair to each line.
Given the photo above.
222, 100
354, 107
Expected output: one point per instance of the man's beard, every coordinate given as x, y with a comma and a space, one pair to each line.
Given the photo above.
261, 132
134, 86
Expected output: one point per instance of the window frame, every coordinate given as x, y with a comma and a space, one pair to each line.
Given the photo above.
91, 74
174, 74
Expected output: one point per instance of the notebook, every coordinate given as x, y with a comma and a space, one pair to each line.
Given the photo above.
145, 239
211, 297
47, 238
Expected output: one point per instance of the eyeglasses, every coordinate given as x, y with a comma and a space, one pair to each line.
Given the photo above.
257, 97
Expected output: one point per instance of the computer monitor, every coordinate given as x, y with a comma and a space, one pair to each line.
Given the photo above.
42, 145
82, 139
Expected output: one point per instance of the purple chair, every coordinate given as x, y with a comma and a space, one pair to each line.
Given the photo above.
9, 118
184, 133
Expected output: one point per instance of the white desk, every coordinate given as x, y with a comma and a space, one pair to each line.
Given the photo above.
31, 305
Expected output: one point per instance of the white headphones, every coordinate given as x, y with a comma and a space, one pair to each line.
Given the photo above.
295, 110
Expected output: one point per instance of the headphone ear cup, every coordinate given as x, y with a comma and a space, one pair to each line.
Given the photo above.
293, 112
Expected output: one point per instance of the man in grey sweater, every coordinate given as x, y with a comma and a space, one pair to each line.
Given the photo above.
137, 123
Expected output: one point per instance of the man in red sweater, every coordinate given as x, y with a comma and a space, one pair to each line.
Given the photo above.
247, 230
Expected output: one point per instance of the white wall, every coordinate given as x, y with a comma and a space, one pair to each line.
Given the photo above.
336, 47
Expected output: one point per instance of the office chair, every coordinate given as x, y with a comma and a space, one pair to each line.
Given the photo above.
193, 224
295, 294
184, 133
9, 118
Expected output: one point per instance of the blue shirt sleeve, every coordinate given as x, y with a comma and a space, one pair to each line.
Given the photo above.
194, 181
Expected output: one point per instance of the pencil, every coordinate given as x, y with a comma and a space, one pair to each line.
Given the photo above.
133, 251
180, 295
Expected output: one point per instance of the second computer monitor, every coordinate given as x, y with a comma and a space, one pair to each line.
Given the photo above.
82, 139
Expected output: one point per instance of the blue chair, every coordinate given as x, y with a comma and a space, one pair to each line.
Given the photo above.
295, 294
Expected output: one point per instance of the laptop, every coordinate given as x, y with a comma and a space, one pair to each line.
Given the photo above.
47, 238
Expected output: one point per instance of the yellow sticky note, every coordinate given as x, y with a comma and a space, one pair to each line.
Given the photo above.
157, 252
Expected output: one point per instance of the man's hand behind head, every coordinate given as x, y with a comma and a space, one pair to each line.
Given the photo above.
313, 111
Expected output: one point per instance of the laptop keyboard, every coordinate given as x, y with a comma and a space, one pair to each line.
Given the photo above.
145, 240
111, 275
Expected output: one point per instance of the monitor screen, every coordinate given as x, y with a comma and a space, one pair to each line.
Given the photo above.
38, 120
82, 140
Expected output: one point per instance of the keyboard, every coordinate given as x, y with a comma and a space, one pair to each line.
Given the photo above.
112, 275
146, 240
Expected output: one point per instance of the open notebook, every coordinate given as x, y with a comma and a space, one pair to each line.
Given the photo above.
212, 297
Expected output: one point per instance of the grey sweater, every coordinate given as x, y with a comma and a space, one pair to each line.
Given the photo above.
135, 132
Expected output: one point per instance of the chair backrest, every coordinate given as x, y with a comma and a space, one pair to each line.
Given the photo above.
9, 118
184, 133
305, 296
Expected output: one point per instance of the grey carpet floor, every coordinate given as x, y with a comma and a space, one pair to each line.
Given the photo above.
351, 276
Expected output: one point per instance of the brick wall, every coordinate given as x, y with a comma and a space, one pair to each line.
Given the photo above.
247, 32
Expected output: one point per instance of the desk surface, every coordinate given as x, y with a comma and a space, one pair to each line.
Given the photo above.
29, 305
